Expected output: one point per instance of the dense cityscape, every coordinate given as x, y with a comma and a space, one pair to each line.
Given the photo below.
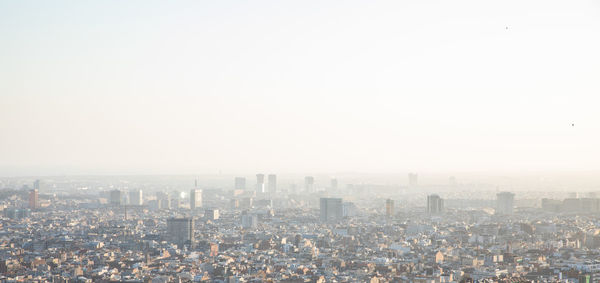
258, 230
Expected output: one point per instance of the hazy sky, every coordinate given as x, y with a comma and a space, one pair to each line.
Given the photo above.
108, 87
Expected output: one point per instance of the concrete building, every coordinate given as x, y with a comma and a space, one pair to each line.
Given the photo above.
195, 198
34, 201
135, 197
272, 183
115, 197
309, 184
505, 203
240, 183
249, 221
180, 231
435, 204
260, 183
334, 184
389, 208
331, 209
211, 214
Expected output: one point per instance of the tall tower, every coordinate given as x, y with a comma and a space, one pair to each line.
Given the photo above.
334, 184
135, 197
435, 204
180, 231
36, 185
195, 198
260, 183
505, 202
272, 179
331, 209
34, 199
115, 198
240, 183
309, 184
389, 208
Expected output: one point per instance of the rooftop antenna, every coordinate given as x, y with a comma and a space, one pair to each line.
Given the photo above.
196, 182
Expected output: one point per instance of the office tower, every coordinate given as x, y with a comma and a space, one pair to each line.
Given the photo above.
413, 179
135, 197
180, 231
309, 184
334, 184
36, 185
249, 221
389, 208
272, 183
331, 209
175, 203
115, 197
163, 199
240, 183
260, 183
349, 209
33, 199
505, 202
211, 214
435, 204
195, 198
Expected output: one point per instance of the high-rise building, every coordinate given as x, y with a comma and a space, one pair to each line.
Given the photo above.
505, 202
309, 184
211, 214
331, 209
34, 199
260, 183
135, 197
180, 231
334, 184
195, 198
389, 208
249, 221
240, 183
413, 179
272, 179
115, 197
163, 199
435, 204
36, 185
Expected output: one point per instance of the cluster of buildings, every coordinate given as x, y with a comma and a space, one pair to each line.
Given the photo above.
315, 236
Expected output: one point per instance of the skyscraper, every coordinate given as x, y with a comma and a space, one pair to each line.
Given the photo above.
309, 184
272, 182
435, 204
240, 183
36, 185
413, 179
331, 209
389, 208
334, 184
195, 198
180, 231
33, 199
115, 197
505, 202
164, 201
260, 183
135, 197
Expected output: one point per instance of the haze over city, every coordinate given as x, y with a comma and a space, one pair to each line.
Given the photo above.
299, 141
147, 87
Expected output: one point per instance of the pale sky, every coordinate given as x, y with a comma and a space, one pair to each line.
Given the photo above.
180, 87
